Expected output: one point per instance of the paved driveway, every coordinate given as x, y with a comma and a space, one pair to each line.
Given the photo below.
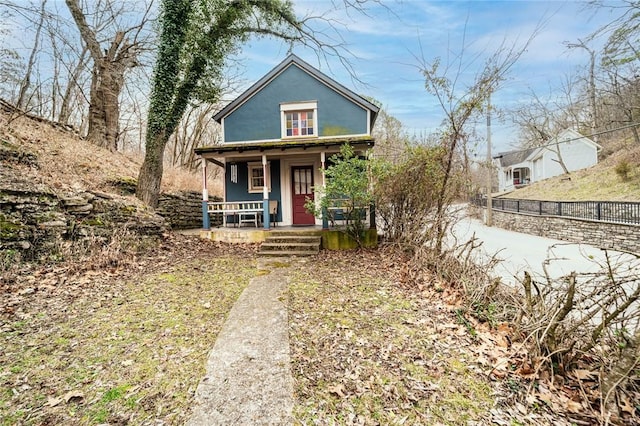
519, 252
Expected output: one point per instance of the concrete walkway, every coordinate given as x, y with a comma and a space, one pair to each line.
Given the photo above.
248, 379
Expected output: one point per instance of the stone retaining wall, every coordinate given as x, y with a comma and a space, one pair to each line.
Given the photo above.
182, 210
599, 234
37, 222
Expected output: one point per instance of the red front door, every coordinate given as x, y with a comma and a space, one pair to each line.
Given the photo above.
302, 178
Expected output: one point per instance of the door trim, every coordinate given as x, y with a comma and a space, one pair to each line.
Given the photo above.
286, 163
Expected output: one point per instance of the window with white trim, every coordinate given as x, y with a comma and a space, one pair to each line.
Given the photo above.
257, 178
299, 119
299, 123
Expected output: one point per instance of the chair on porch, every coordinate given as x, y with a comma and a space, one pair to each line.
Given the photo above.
248, 217
273, 212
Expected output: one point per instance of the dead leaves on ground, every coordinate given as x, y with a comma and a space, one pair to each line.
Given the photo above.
365, 353
368, 350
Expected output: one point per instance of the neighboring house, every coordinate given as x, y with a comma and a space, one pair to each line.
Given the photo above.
278, 137
522, 167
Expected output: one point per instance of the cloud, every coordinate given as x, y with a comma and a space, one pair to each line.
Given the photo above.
387, 45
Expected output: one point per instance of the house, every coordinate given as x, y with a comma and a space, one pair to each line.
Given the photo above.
278, 137
522, 167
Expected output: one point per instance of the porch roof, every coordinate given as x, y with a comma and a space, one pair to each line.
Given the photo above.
225, 149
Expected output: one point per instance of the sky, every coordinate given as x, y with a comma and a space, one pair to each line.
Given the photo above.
387, 43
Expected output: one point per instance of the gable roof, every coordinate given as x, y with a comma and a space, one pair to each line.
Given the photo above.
567, 135
287, 62
511, 158
514, 157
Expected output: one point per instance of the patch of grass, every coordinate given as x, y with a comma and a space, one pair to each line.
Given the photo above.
8, 228
114, 394
168, 277
133, 354
366, 352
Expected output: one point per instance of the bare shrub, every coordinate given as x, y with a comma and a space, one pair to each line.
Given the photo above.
587, 321
573, 315
413, 198
623, 169
95, 252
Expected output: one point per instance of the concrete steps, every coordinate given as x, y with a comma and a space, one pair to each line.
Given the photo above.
290, 243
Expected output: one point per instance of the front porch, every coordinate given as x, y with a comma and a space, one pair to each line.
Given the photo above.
517, 177
247, 235
270, 183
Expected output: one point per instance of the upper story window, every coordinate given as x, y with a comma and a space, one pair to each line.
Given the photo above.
299, 119
299, 123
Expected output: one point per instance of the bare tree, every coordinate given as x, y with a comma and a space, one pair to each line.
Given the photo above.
460, 106
72, 86
623, 32
620, 61
26, 81
9, 58
111, 61
620, 98
391, 138
196, 128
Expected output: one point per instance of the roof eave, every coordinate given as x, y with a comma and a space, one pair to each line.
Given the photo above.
283, 145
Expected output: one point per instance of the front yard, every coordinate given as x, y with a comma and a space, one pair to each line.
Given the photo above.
128, 345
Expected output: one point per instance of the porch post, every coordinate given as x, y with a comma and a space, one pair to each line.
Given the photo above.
265, 195
325, 220
205, 197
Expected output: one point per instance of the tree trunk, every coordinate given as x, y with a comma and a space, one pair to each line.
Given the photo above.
24, 86
560, 160
150, 177
107, 80
104, 109
595, 120
636, 135
72, 85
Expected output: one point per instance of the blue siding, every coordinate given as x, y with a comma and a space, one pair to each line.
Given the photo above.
259, 117
240, 191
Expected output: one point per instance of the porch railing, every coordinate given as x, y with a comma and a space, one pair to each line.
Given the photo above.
338, 208
603, 211
242, 211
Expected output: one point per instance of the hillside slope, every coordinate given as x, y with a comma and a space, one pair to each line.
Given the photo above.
597, 183
66, 161
57, 192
